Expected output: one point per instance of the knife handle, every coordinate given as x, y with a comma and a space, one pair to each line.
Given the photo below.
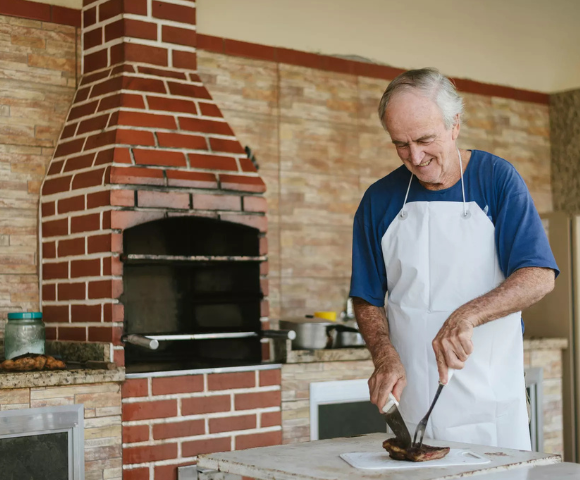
390, 402
450, 373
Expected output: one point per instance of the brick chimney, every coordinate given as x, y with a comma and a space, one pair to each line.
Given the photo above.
143, 140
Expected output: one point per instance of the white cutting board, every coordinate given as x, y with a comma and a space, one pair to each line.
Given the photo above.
382, 460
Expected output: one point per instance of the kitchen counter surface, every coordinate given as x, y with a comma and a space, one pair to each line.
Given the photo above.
349, 354
558, 471
50, 378
320, 461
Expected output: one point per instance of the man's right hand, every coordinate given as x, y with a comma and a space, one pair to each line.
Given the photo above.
389, 376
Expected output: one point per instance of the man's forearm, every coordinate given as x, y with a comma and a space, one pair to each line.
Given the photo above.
520, 290
372, 323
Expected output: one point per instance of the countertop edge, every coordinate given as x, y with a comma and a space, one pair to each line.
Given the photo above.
362, 354
57, 378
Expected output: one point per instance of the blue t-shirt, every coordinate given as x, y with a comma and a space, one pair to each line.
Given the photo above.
490, 181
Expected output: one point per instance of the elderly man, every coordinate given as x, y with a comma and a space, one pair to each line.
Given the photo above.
454, 238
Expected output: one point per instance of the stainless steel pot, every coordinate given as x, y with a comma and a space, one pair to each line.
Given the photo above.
310, 333
343, 336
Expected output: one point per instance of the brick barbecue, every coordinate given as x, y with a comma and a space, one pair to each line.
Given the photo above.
144, 141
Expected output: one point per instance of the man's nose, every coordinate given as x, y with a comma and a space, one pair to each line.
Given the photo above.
416, 154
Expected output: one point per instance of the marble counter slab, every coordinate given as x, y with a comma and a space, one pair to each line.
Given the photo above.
545, 344
51, 378
320, 461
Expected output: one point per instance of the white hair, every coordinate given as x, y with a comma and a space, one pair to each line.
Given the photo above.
431, 83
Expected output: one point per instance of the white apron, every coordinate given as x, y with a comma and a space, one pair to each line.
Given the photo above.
439, 256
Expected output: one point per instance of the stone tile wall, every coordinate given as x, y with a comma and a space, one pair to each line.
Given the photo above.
38, 72
551, 363
314, 132
319, 145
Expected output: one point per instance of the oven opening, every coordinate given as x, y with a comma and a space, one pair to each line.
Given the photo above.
192, 284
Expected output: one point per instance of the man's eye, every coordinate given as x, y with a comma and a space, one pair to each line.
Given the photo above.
425, 142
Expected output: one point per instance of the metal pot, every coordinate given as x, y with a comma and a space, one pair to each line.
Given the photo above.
310, 333
343, 336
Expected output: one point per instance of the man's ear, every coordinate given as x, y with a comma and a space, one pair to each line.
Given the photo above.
456, 127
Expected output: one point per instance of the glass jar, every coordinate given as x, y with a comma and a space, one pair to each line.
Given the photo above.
24, 333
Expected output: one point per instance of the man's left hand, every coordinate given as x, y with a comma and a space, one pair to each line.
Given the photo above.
453, 344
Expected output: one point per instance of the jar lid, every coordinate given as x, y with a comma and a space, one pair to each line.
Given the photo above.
24, 315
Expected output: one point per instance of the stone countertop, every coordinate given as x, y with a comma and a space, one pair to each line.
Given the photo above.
349, 354
51, 378
320, 461
545, 344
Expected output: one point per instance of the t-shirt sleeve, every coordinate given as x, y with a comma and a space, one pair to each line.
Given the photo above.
369, 278
519, 234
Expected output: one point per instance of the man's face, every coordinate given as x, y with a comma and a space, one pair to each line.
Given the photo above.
426, 147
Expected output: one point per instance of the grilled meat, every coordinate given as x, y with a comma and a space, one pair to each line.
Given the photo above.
30, 362
413, 454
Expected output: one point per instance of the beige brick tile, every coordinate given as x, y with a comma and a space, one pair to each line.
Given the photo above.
100, 422
24, 240
238, 83
113, 474
377, 155
317, 95
100, 442
104, 464
55, 27
302, 296
94, 475
549, 360
102, 453
15, 406
103, 432
23, 22
369, 93
316, 251
23, 149
14, 395
258, 131
52, 402
317, 199
51, 392
319, 147
108, 411
97, 400
25, 41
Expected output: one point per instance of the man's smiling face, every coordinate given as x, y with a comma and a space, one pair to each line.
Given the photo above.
426, 147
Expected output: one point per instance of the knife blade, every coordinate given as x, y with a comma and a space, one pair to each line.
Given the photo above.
395, 421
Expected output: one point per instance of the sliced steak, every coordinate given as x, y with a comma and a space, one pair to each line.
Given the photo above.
413, 454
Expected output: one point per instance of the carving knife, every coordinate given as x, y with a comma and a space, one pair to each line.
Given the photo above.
395, 421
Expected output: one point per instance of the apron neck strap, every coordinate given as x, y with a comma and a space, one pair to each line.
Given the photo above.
466, 212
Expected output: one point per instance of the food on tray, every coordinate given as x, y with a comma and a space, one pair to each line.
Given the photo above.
413, 454
26, 363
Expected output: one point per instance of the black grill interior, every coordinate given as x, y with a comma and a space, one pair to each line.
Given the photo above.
166, 295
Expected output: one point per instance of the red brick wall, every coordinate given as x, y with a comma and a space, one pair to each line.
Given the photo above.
142, 140
169, 421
